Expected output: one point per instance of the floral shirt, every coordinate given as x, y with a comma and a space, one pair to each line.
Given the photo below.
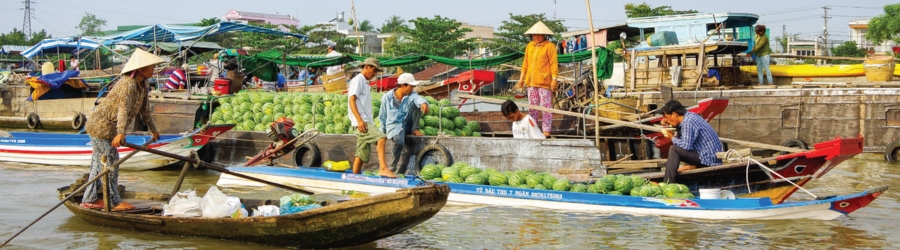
115, 112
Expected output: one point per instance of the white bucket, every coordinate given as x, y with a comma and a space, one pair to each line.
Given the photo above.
715, 194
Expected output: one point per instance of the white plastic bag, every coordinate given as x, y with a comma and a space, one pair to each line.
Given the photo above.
216, 204
266, 211
183, 204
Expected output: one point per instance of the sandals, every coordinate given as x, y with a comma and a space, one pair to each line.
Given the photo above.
93, 205
123, 207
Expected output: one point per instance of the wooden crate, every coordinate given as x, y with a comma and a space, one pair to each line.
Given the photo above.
336, 82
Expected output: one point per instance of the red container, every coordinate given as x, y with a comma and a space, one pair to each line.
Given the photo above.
471, 81
384, 83
223, 85
896, 50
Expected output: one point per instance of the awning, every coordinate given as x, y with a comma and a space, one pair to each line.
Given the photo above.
73, 45
196, 47
176, 33
12, 49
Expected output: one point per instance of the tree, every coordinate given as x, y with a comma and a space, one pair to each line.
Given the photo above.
209, 21
17, 37
438, 36
318, 39
394, 24
90, 25
885, 27
645, 10
365, 25
783, 41
847, 49
511, 33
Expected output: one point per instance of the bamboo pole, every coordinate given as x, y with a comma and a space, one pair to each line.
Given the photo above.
594, 73
356, 25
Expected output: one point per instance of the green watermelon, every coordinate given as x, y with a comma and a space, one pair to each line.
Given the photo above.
525, 186
614, 193
475, 179
514, 180
592, 189
444, 102
422, 122
449, 112
638, 181
491, 171
459, 165
447, 124
467, 171
683, 189
430, 171
438, 179
548, 180
430, 131
623, 185
604, 185
683, 196
578, 188
431, 100
654, 191
455, 179
431, 121
448, 133
497, 179
459, 122
561, 185
670, 190
473, 126
539, 187
446, 173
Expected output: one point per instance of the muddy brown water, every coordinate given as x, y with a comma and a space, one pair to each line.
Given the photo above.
28, 191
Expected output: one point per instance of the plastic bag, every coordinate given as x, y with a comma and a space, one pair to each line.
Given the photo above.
240, 213
183, 204
295, 203
266, 211
216, 204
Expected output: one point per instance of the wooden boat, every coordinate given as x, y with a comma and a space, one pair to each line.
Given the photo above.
75, 149
808, 70
737, 209
347, 223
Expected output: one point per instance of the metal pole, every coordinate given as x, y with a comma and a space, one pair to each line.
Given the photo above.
594, 72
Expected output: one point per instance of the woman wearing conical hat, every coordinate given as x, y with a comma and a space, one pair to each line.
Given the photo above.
107, 124
539, 72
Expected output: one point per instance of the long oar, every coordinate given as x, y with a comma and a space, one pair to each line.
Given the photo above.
216, 167
83, 186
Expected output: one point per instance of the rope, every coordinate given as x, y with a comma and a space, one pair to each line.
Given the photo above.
761, 166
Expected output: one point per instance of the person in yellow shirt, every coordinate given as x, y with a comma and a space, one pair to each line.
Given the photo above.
539, 72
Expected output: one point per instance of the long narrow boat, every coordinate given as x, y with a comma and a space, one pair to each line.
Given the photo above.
808, 70
738, 209
75, 149
348, 223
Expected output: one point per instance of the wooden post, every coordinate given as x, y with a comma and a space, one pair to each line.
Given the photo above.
181, 176
105, 180
594, 72
356, 25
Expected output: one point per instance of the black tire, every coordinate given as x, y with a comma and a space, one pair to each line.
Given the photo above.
33, 121
79, 121
443, 155
794, 143
892, 152
307, 155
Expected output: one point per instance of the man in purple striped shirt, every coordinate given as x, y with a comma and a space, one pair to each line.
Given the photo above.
694, 142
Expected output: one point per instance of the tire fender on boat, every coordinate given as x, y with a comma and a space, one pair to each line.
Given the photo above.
33, 121
307, 155
79, 121
441, 152
794, 143
892, 151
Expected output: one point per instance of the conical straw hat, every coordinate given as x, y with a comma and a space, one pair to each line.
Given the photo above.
140, 59
539, 29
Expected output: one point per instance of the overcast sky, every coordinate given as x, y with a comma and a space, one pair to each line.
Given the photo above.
60, 17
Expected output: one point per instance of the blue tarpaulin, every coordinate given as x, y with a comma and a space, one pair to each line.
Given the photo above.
177, 34
74, 45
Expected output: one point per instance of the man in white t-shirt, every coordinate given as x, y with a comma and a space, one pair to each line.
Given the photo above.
523, 126
333, 53
361, 116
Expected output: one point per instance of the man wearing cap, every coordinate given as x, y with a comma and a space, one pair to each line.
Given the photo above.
539, 72
401, 109
361, 116
106, 125
333, 53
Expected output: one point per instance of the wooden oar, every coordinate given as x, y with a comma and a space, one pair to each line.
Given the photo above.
216, 167
77, 191
628, 124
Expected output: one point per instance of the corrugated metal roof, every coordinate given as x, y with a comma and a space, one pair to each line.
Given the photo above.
12, 49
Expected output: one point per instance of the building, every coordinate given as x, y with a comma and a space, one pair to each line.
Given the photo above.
371, 43
481, 34
261, 18
805, 46
607, 34
858, 30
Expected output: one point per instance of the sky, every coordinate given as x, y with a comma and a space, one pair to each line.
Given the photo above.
60, 17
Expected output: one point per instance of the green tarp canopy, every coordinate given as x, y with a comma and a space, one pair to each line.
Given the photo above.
263, 65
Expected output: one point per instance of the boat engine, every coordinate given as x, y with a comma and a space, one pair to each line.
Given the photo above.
283, 135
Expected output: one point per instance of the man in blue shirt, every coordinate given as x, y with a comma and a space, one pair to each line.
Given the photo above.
694, 143
401, 109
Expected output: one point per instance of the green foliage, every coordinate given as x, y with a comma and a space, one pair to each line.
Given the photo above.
90, 25
17, 37
511, 33
394, 24
885, 27
209, 21
847, 49
645, 10
438, 36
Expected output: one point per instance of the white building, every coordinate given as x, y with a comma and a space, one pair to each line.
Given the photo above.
858, 30
369, 40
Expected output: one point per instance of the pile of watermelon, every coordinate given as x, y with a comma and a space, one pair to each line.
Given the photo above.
327, 113
461, 172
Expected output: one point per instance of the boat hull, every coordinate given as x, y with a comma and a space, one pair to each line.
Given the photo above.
349, 223
807, 70
739, 209
75, 149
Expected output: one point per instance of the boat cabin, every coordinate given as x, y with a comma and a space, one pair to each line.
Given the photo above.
694, 28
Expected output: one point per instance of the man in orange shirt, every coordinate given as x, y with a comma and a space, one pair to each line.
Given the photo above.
539, 72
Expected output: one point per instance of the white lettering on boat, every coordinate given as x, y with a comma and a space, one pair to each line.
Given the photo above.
519, 193
12, 140
374, 180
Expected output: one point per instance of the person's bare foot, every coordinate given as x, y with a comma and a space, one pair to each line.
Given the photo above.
384, 172
546, 134
417, 133
123, 206
686, 167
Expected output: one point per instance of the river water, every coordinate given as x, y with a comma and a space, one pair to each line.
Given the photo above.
28, 191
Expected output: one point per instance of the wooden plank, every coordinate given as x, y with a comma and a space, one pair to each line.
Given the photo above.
628, 124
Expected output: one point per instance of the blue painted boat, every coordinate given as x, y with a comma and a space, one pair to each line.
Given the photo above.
736, 209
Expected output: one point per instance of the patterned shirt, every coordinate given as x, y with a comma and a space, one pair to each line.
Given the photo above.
126, 100
393, 113
695, 134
